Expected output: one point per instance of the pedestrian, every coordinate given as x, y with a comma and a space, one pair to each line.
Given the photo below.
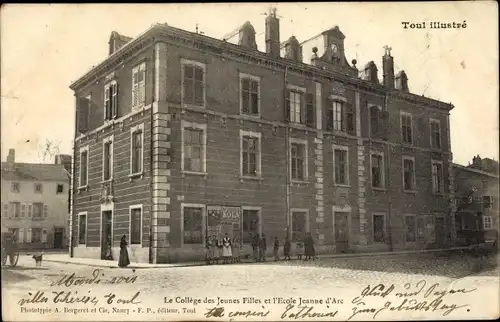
276, 248
255, 246
286, 248
262, 248
214, 249
309, 247
299, 249
217, 249
226, 249
235, 249
123, 261
208, 250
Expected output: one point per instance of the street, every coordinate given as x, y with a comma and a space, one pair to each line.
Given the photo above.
58, 290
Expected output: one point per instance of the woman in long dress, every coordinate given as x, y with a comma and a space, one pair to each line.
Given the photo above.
124, 261
235, 249
226, 249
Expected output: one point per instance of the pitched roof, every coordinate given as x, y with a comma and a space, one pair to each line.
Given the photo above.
34, 172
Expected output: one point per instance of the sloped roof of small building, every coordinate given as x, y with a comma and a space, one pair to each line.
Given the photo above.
34, 172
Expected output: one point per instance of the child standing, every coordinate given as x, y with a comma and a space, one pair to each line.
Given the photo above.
299, 249
276, 247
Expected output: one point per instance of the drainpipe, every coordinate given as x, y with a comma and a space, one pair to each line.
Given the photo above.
389, 150
72, 187
287, 163
151, 154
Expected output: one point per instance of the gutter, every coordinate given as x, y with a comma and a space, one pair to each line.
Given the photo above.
287, 163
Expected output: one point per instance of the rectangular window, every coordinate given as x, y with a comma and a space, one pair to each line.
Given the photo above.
310, 110
84, 163
38, 188
36, 235
15, 209
250, 94
137, 149
487, 222
193, 150
135, 225
338, 116
408, 174
107, 168
486, 202
82, 229
411, 228
341, 172
377, 167
193, 83
374, 120
437, 177
430, 229
60, 189
110, 100
298, 225
250, 153
298, 160
139, 85
406, 128
15, 187
435, 134
379, 228
192, 229
295, 106
37, 210
250, 225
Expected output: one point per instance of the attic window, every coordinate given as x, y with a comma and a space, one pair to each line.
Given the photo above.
38, 188
15, 187
60, 189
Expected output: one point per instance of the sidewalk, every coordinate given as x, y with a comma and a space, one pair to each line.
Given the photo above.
64, 258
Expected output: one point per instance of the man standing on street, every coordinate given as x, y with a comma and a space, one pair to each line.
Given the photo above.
255, 246
263, 248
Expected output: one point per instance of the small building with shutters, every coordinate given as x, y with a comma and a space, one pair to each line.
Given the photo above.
35, 203
180, 136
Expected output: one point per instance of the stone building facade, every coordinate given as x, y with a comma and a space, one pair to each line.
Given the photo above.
180, 136
35, 203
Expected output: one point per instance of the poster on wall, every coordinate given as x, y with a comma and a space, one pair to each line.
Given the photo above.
222, 220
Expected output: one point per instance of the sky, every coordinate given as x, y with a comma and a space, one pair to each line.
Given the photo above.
44, 48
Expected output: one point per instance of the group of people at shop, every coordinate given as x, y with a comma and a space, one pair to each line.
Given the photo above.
227, 250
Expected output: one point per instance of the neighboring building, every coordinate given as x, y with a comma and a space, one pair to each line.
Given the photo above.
35, 203
180, 136
476, 189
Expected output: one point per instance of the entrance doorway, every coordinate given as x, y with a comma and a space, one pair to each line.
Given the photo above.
106, 235
341, 229
58, 238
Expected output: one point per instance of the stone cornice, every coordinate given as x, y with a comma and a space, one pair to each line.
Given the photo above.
219, 47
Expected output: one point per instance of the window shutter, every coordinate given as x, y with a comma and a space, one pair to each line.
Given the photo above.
115, 102
44, 235
350, 122
310, 109
20, 237
45, 211
29, 211
287, 106
23, 210
384, 125
83, 114
28, 235
134, 87
5, 210
329, 115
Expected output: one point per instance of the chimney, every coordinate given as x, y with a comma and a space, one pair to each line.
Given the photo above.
273, 34
402, 81
371, 72
11, 158
388, 66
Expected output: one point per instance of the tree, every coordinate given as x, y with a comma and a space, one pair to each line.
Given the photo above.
47, 151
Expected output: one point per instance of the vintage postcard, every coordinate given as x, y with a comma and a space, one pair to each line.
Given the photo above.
250, 162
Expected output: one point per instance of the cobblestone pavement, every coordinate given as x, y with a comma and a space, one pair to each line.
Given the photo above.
340, 278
